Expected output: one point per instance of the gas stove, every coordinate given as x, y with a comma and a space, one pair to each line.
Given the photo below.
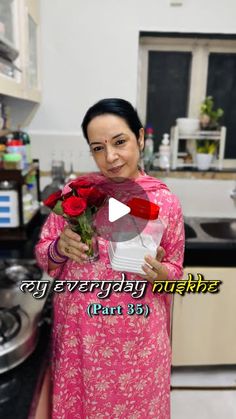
19, 312
10, 323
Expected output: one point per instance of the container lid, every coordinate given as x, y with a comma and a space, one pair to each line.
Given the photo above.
149, 130
15, 142
23, 136
12, 157
144, 209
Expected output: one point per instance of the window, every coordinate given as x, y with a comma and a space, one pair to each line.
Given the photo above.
176, 74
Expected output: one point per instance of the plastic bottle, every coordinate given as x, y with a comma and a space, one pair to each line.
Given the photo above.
27, 204
32, 188
16, 146
12, 161
164, 153
26, 141
149, 147
9, 204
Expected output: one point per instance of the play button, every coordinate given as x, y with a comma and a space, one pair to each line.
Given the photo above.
116, 209
117, 220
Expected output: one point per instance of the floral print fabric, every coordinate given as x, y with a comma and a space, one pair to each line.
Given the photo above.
113, 366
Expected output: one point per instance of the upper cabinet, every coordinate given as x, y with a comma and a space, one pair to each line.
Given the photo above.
19, 49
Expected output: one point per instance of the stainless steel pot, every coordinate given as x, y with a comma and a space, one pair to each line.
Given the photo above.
29, 309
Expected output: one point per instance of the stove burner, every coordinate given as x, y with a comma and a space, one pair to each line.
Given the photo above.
17, 273
10, 323
13, 272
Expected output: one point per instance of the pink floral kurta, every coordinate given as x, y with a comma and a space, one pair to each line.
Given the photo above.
113, 366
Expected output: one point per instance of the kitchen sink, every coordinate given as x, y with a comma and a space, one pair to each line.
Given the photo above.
220, 229
189, 232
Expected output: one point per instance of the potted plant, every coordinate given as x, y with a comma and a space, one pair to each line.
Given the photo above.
206, 149
209, 120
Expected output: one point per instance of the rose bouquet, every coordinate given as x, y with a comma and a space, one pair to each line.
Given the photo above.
78, 205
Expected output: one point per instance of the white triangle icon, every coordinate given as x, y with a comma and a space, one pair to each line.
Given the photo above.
116, 209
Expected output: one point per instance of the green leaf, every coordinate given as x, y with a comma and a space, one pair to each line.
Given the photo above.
58, 208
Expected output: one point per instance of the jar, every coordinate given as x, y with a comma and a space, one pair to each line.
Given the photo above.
12, 161
9, 205
2, 152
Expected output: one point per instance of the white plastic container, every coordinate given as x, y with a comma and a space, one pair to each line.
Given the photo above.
128, 255
9, 205
149, 146
188, 126
164, 153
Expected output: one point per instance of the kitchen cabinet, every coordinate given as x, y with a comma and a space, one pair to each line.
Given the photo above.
19, 35
204, 325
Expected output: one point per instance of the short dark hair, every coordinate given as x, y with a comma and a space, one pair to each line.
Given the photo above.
115, 106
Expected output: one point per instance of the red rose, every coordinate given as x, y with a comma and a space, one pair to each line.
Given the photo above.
80, 183
52, 199
96, 198
74, 206
93, 196
66, 195
84, 192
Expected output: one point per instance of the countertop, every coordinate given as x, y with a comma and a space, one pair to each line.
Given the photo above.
226, 174
187, 173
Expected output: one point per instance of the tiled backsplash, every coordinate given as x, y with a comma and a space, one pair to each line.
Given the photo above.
69, 147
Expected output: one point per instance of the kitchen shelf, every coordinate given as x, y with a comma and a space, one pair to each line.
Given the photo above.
18, 175
219, 136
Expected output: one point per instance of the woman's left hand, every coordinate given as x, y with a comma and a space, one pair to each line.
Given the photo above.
157, 271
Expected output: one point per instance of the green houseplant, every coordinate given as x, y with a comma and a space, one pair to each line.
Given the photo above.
209, 117
209, 121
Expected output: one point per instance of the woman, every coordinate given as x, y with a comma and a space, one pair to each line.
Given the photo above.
112, 366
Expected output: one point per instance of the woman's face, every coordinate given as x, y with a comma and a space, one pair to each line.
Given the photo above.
114, 146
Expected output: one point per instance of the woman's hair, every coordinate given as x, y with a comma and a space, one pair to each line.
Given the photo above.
115, 106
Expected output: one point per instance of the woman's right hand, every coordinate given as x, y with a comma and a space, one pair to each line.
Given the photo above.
70, 245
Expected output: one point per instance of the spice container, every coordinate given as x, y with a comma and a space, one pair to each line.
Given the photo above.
12, 161
2, 152
9, 206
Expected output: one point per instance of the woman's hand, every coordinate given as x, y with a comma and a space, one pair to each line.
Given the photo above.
71, 246
157, 270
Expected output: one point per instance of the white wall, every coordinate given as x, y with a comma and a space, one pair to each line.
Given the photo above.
89, 51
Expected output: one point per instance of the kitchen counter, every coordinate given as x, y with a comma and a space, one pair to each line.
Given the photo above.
225, 174
187, 173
